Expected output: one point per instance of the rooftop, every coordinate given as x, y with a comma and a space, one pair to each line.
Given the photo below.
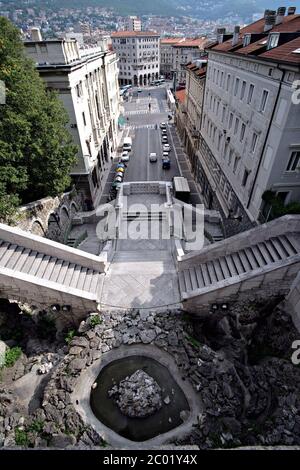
132, 34
180, 96
184, 42
282, 53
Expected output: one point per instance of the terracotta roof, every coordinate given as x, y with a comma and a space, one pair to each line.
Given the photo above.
285, 52
170, 40
192, 43
180, 95
132, 34
201, 72
290, 23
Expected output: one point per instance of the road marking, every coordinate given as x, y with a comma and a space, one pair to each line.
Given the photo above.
147, 156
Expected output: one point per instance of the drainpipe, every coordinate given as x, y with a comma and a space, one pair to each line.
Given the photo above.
267, 137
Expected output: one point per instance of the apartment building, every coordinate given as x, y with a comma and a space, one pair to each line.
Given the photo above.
185, 52
250, 131
176, 53
167, 56
133, 23
86, 80
139, 56
189, 112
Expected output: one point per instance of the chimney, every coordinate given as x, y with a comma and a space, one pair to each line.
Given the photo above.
236, 35
291, 11
35, 34
280, 15
220, 34
270, 19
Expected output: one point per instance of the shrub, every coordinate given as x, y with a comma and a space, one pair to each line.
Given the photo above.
95, 320
12, 355
70, 336
21, 437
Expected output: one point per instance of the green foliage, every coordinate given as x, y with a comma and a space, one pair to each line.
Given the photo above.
70, 336
36, 150
36, 426
278, 209
95, 320
21, 437
11, 356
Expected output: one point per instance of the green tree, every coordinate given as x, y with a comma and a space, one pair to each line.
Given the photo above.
36, 150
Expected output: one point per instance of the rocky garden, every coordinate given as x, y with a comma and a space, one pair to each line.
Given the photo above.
238, 362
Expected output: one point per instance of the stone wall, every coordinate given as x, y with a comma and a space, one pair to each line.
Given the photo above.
50, 217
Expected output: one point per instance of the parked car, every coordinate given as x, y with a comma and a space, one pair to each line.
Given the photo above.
153, 157
166, 148
164, 132
139, 90
164, 139
166, 164
125, 156
127, 144
165, 155
163, 125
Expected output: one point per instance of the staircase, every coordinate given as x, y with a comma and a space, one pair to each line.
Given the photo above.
246, 260
39, 271
26, 261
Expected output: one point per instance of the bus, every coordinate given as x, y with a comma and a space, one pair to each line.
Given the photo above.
181, 188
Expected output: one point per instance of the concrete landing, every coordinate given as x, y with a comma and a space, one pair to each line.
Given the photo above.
141, 278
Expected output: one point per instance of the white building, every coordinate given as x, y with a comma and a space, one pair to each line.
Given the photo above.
133, 23
87, 83
139, 56
177, 53
251, 126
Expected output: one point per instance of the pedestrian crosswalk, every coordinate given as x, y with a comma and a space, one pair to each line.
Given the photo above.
142, 126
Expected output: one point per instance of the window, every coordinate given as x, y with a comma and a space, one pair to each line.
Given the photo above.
242, 135
223, 113
236, 162
250, 94
247, 40
236, 125
263, 102
254, 142
243, 89
83, 118
230, 155
294, 162
273, 41
228, 82
245, 177
236, 86
230, 120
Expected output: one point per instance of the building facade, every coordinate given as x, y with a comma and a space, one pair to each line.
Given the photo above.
184, 52
133, 23
176, 53
139, 56
189, 110
87, 83
250, 130
167, 56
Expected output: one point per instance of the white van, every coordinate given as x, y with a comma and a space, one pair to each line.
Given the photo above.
127, 144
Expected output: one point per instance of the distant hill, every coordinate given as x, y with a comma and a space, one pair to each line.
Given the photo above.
206, 9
